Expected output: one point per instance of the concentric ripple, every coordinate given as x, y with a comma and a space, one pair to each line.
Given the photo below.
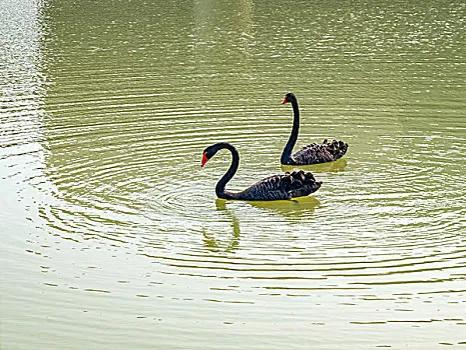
104, 122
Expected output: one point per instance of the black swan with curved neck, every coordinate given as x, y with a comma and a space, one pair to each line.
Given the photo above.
276, 187
310, 154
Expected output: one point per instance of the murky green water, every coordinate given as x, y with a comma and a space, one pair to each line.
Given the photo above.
111, 234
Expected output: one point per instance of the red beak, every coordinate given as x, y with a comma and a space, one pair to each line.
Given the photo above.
204, 160
285, 100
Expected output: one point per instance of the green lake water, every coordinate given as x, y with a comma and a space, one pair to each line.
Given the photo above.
111, 234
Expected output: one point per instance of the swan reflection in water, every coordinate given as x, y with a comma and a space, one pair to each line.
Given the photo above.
330, 167
292, 210
212, 243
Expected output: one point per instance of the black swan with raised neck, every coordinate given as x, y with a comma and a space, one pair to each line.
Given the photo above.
313, 153
276, 187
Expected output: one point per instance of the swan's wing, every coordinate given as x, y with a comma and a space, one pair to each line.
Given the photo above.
321, 153
286, 186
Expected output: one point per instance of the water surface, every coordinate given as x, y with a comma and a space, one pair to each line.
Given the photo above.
112, 235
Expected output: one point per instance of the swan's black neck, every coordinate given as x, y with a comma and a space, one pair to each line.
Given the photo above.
220, 188
286, 154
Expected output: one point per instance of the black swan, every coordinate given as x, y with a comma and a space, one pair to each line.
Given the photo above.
310, 154
276, 187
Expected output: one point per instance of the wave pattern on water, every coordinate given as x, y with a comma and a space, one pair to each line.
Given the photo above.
112, 140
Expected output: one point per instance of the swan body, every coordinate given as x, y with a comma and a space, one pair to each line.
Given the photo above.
313, 153
275, 187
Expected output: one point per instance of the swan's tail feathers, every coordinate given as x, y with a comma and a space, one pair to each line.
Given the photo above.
336, 148
303, 184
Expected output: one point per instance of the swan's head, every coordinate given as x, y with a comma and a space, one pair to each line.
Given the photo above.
208, 153
289, 97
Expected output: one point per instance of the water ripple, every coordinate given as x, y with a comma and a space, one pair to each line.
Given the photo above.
101, 138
